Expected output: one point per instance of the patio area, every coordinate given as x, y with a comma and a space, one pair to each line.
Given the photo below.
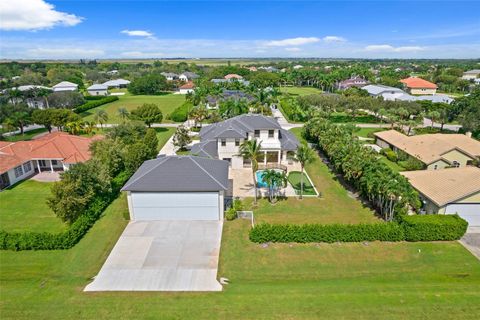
47, 176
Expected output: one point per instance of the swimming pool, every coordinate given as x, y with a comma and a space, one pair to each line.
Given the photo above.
259, 177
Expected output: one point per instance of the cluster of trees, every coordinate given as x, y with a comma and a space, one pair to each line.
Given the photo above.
152, 84
388, 191
123, 150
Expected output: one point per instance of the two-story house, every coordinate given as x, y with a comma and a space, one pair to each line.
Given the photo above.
222, 140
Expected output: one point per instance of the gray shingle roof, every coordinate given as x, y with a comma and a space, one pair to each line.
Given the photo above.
179, 174
97, 87
208, 148
288, 140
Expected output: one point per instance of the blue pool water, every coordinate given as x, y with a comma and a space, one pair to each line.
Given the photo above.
259, 177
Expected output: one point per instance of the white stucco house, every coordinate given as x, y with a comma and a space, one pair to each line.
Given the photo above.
188, 87
170, 76
178, 188
471, 74
222, 140
386, 92
31, 97
188, 76
98, 90
65, 86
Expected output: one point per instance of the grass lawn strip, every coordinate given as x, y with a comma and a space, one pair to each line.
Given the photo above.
294, 177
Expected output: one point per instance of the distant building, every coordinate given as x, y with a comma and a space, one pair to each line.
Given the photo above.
117, 83
356, 81
471, 74
65, 86
298, 66
98, 90
112, 72
170, 75
188, 76
419, 86
268, 69
252, 69
214, 101
233, 76
188, 87
32, 99
386, 92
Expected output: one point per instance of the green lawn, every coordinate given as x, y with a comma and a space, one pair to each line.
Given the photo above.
294, 178
365, 132
290, 281
300, 91
167, 104
26, 136
23, 208
393, 165
163, 134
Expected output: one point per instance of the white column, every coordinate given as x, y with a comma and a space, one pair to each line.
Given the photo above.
51, 166
279, 157
38, 166
265, 157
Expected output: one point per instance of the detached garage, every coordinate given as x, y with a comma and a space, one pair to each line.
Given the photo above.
449, 191
178, 188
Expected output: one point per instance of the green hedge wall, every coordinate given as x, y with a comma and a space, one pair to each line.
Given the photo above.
409, 228
75, 232
95, 103
433, 227
180, 114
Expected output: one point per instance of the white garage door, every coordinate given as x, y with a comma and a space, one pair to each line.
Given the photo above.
468, 211
175, 206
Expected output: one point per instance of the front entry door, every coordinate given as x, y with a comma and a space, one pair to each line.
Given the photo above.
4, 181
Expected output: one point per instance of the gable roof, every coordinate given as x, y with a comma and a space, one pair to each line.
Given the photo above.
58, 146
97, 87
446, 185
65, 84
430, 147
188, 85
180, 174
414, 82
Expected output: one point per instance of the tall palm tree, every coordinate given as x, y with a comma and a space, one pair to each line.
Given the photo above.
123, 113
275, 179
250, 149
303, 155
100, 116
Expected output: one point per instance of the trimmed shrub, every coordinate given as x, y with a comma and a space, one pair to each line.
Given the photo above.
180, 114
76, 231
231, 214
95, 103
433, 227
326, 233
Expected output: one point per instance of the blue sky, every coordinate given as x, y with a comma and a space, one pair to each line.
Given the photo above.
157, 29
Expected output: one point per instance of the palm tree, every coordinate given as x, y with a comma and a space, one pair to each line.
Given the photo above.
274, 179
250, 149
74, 127
303, 155
100, 116
123, 113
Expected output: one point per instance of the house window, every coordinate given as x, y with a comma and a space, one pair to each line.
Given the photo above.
237, 142
42, 163
270, 133
257, 134
224, 142
456, 164
54, 162
27, 166
18, 171
435, 167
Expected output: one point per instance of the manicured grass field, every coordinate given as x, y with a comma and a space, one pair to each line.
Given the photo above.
289, 281
300, 91
167, 104
294, 177
26, 136
365, 132
163, 134
393, 165
23, 208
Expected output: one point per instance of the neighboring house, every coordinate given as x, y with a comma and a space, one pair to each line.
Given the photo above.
117, 83
449, 191
242, 81
178, 188
436, 151
52, 152
112, 72
352, 82
471, 74
65, 86
386, 92
269, 69
188, 76
233, 76
222, 140
98, 90
252, 69
170, 76
214, 101
188, 87
419, 86
298, 66
436, 98
30, 99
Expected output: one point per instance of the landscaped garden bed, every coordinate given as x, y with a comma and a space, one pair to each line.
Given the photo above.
294, 178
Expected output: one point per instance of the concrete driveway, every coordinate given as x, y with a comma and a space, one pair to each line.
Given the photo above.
471, 241
163, 256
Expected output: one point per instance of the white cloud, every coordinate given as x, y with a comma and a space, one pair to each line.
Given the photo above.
33, 15
389, 48
292, 42
294, 49
138, 33
64, 53
334, 39
139, 54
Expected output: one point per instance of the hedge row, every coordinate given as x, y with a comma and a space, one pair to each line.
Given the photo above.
180, 114
70, 237
409, 228
94, 103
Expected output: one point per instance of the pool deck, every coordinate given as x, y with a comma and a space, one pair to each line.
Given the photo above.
243, 184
